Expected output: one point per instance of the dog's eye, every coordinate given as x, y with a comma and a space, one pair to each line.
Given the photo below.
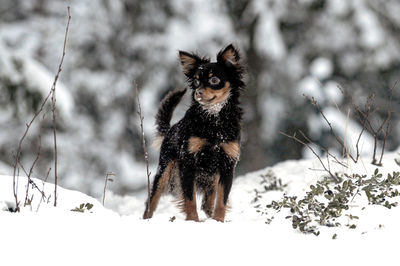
196, 82
214, 81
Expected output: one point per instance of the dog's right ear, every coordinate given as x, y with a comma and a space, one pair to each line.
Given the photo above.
189, 63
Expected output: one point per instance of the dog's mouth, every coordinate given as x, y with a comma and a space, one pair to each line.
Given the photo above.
203, 100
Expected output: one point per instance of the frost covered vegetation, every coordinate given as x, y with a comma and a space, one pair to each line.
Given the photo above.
326, 201
292, 48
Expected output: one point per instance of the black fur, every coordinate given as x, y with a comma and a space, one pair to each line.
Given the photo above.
216, 126
166, 109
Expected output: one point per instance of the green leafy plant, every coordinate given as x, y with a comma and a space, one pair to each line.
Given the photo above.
269, 182
83, 207
379, 189
326, 200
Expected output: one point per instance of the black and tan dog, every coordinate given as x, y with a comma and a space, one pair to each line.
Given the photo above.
200, 152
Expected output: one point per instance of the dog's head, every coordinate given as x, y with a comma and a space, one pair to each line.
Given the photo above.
213, 83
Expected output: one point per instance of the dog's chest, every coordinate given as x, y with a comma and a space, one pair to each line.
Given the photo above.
209, 147
216, 131
213, 136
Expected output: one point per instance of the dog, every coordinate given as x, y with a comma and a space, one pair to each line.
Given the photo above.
200, 152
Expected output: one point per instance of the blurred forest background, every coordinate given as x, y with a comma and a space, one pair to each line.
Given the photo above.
291, 47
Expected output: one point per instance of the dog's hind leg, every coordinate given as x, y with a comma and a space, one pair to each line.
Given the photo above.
210, 193
187, 177
160, 182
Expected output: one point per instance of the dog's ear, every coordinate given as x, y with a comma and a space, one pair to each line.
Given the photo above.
189, 62
229, 56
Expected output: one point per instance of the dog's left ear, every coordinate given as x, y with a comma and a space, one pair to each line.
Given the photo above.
189, 62
229, 56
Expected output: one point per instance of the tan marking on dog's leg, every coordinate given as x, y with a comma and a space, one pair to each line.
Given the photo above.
190, 208
195, 144
231, 149
220, 207
162, 184
209, 200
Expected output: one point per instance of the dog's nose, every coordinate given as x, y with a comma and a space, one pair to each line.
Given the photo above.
200, 92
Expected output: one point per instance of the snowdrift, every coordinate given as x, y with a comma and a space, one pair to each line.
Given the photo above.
117, 235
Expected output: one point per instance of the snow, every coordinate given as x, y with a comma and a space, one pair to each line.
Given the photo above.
310, 87
206, 22
40, 78
333, 93
56, 235
268, 39
112, 43
338, 7
43, 79
321, 68
371, 33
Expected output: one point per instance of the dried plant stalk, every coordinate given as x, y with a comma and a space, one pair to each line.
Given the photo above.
146, 156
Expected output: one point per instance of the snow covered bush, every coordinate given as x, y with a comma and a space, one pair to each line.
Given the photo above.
327, 203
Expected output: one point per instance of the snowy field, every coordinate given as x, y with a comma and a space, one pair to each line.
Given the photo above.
116, 235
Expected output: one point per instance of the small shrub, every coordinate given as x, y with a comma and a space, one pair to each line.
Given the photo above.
83, 207
269, 182
326, 200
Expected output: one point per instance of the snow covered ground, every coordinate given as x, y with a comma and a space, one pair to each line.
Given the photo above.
116, 235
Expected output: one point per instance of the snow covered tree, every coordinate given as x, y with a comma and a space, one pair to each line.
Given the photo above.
291, 48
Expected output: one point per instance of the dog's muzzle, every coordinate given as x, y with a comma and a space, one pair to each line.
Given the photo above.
199, 96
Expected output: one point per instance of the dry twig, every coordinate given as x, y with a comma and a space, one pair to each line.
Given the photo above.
326, 168
338, 139
34, 163
388, 119
146, 156
28, 126
43, 197
105, 184
53, 109
30, 181
364, 118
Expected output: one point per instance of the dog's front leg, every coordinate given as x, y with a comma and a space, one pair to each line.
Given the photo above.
223, 190
187, 177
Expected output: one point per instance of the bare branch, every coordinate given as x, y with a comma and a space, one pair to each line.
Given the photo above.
44, 182
338, 139
30, 181
326, 169
34, 162
146, 157
324, 149
364, 118
28, 126
105, 184
53, 109
388, 118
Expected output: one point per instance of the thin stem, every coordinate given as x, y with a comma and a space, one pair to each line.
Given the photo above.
105, 185
389, 116
326, 169
53, 109
34, 162
146, 157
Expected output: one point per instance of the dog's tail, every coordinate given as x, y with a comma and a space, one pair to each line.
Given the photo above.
166, 109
